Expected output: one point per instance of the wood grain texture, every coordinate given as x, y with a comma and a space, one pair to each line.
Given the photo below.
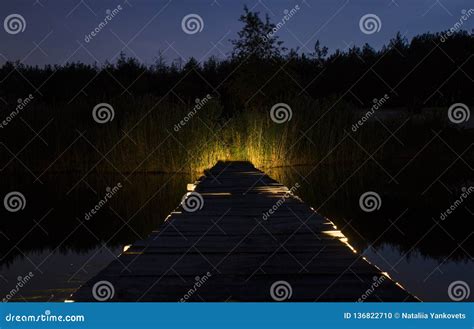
249, 233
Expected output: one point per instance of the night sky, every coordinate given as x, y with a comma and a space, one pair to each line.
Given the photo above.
55, 29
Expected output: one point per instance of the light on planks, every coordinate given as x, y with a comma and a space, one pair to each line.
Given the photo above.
242, 253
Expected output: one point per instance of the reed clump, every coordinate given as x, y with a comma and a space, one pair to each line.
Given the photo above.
151, 134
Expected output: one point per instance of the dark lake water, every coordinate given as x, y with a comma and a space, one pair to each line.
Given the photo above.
63, 244
405, 237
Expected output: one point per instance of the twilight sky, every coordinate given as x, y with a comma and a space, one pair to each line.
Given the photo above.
55, 29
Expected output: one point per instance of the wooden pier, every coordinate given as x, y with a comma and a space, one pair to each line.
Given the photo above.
242, 236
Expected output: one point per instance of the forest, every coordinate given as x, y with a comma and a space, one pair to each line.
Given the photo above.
327, 92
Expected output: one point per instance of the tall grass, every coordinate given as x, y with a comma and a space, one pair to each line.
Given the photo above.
142, 136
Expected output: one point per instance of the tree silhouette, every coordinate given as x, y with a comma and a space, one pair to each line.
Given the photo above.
430, 70
256, 39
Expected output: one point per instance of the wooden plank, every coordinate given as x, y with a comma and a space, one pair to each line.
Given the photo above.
305, 287
235, 263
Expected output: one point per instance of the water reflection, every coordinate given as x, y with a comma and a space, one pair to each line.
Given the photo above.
63, 243
405, 237
71, 228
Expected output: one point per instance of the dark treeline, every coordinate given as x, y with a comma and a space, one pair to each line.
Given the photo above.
432, 69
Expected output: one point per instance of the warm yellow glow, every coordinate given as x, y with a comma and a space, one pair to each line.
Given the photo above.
190, 187
398, 284
339, 235
387, 275
330, 222
125, 248
334, 234
270, 190
217, 193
